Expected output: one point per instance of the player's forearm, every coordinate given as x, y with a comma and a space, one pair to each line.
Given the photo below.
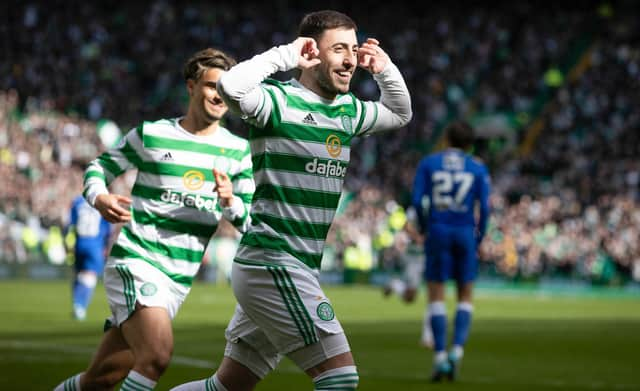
237, 214
95, 182
394, 95
239, 86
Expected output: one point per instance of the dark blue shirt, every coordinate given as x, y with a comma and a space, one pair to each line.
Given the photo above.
447, 187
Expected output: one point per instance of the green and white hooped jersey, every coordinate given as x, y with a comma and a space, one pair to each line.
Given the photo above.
175, 209
300, 158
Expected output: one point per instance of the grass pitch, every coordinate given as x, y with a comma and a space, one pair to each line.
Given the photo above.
518, 341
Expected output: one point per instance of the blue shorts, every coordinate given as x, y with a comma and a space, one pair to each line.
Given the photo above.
451, 253
89, 259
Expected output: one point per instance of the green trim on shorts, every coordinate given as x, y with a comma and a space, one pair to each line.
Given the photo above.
294, 304
129, 291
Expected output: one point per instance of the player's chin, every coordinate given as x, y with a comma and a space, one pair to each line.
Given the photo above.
342, 87
216, 115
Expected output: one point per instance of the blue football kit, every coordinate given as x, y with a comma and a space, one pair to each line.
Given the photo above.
448, 185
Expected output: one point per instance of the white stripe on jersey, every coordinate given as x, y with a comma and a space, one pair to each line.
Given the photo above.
297, 147
174, 266
298, 180
293, 212
151, 233
296, 243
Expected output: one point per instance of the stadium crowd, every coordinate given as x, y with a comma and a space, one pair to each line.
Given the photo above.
571, 206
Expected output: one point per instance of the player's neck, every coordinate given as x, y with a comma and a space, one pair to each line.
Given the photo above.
199, 127
311, 83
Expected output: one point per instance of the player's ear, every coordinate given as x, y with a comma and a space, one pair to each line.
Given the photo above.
190, 85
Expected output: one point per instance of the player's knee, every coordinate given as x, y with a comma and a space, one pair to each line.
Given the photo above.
161, 361
342, 378
155, 360
88, 278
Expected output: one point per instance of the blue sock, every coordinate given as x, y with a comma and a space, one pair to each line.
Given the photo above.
83, 291
463, 323
438, 316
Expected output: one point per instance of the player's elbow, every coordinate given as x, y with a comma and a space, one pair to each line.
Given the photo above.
229, 95
223, 89
229, 89
404, 115
406, 118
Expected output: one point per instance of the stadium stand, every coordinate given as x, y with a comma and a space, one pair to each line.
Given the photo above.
568, 207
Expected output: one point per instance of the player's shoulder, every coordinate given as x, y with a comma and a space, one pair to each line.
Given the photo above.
233, 141
227, 135
279, 85
158, 124
154, 126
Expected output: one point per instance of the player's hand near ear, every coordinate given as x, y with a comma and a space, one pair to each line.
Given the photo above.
307, 48
371, 57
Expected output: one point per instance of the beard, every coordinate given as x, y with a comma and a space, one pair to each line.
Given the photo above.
326, 84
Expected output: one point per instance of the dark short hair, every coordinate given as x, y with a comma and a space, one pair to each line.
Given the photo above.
460, 135
316, 23
205, 59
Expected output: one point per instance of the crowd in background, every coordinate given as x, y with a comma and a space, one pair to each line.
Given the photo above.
569, 206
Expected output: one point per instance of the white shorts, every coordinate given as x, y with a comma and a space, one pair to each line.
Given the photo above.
132, 281
283, 311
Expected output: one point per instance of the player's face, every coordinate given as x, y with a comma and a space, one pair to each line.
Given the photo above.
204, 95
338, 52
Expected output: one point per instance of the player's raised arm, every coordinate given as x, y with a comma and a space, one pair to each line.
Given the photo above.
393, 110
240, 86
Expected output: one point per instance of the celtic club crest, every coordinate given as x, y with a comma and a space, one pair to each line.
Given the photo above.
325, 311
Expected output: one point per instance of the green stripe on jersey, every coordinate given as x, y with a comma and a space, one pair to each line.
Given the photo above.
176, 253
332, 111
278, 244
297, 102
94, 174
203, 231
191, 146
301, 132
131, 155
301, 229
303, 197
125, 253
108, 164
244, 174
176, 170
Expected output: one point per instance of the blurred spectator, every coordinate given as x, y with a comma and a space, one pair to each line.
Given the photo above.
571, 207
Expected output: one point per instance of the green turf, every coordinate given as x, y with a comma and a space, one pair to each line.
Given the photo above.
517, 342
